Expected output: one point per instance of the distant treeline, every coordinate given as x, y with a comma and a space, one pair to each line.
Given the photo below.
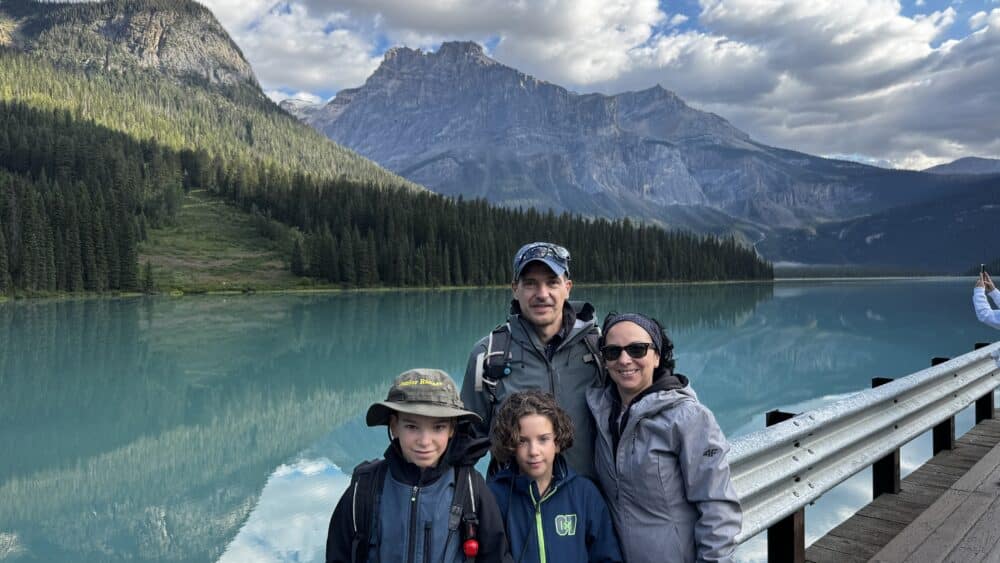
367, 237
75, 199
79, 189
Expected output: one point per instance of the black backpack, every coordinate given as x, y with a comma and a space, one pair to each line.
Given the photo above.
366, 491
496, 360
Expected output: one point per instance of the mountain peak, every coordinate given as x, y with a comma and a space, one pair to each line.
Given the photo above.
178, 38
450, 52
460, 48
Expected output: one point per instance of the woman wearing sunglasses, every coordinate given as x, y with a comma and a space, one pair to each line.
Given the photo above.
660, 455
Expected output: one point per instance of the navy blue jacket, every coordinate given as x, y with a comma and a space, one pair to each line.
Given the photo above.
412, 517
573, 518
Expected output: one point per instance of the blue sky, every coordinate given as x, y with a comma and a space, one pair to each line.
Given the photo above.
908, 84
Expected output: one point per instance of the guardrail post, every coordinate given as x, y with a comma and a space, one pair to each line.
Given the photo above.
943, 435
786, 539
885, 472
984, 404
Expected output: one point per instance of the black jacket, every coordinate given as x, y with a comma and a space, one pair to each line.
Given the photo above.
461, 451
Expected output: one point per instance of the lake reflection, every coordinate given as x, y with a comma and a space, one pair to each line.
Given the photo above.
209, 428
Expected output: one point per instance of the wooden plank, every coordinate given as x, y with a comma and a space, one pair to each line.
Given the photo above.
984, 429
910, 542
982, 538
899, 512
935, 480
820, 554
918, 494
948, 524
921, 490
866, 525
944, 525
986, 468
931, 466
852, 546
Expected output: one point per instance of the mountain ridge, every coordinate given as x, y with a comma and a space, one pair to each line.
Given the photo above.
461, 123
967, 165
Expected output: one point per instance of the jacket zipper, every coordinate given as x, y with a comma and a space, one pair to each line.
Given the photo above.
427, 542
414, 497
539, 531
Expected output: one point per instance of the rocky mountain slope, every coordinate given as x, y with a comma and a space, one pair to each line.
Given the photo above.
149, 68
949, 234
179, 39
461, 123
968, 165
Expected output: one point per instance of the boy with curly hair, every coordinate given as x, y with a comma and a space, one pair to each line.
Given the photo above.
551, 513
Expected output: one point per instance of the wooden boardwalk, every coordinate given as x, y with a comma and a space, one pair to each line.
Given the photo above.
921, 523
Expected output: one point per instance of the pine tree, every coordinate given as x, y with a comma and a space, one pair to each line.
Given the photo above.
6, 283
148, 285
298, 259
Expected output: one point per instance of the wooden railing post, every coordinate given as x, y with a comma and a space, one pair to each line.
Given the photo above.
885, 472
984, 404
944, 433
786, 539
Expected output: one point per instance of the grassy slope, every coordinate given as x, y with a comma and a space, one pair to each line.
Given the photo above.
214, 246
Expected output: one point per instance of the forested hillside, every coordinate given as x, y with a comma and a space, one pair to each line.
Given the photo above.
91, 157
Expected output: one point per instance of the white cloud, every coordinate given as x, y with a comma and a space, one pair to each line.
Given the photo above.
980, 20
279, 95
289, 522
825, 76
677, 20
291, 50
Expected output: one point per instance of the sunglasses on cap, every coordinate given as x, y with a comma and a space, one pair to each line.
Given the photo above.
541, 250
635, 350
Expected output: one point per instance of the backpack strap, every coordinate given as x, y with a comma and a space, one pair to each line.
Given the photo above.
463, 505
366, 491
494, 364
592, 340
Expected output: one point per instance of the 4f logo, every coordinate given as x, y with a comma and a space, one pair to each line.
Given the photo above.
566, 524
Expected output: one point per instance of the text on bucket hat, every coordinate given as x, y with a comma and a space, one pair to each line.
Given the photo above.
420, 391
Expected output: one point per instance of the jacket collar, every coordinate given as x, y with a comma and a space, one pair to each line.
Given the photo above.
510, 476
409, 474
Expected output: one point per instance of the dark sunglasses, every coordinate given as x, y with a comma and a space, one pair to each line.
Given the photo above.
636, 350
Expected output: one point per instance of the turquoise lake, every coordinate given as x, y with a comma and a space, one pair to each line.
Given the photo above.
220, 428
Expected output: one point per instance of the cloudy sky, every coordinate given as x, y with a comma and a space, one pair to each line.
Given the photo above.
908, 84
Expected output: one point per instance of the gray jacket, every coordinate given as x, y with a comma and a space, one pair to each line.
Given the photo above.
668, 487
567, 376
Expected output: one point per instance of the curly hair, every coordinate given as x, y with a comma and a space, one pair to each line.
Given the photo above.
505, 435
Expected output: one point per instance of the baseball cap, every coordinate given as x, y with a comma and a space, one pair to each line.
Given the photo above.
552, 255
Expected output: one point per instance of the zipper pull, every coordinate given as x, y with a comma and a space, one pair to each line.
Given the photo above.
413, 494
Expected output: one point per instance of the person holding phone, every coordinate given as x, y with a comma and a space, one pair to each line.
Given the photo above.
985, 286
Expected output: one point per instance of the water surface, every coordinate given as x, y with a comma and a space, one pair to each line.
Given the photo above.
225, 428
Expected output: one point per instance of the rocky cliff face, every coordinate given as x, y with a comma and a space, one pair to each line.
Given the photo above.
181, 38
461, 123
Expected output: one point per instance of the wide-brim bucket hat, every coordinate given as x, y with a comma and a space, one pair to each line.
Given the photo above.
424, 392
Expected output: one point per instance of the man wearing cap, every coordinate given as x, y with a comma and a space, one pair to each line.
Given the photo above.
548, 343
424, 501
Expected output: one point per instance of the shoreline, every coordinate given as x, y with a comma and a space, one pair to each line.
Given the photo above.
178, 293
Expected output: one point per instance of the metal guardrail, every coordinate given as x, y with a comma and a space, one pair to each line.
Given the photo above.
780, 469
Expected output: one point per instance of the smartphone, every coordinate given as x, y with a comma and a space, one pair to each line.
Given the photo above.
982, 269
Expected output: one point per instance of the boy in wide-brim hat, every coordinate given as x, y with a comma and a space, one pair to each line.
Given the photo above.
423, 501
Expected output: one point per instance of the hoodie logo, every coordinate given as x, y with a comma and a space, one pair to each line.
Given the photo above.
712, 452
566, 524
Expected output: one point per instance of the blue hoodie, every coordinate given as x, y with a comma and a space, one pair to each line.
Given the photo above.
571, 523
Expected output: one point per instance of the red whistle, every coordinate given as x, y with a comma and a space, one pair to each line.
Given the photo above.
470, 548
